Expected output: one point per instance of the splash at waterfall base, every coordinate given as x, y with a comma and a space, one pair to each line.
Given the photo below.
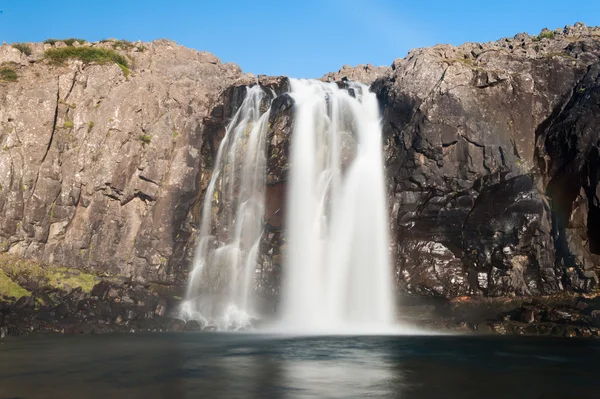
336, 272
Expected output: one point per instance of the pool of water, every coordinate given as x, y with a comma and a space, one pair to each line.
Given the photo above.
218, 365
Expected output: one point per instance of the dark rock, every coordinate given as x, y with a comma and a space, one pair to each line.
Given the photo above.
45, 316
131, 314
101, 289
61, 311
176, 325
528, 316
193, 325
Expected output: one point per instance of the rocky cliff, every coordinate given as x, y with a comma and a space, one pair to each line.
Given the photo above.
491, 153
100, 163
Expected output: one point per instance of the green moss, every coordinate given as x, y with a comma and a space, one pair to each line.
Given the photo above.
145, 139
10, 289
68, 124
45, 275
85, 54
23, 47
61, 276
90, 126
8, 74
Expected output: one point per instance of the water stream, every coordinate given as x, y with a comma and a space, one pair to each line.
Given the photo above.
337, 275
220, 284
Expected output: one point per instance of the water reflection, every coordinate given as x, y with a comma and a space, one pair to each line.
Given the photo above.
293, 368
245, 366
329, 369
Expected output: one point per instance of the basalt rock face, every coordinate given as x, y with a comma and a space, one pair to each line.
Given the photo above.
466, 130
570, 166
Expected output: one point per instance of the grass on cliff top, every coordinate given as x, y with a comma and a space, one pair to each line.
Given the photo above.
23, 47
7, 74
544, 35
10, 289
68, 42
38, 275
87, 55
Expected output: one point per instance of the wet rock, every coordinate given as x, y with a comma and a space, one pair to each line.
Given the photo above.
101, 289
193, 325
131, 314
570, 332
528, 316
176, 325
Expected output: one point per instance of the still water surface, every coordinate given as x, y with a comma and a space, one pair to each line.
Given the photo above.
217, 365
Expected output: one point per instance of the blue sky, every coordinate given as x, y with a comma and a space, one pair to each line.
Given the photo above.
299, 38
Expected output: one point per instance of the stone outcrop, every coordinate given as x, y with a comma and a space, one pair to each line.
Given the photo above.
491, 154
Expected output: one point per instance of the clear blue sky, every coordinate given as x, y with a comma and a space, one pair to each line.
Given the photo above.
299, 38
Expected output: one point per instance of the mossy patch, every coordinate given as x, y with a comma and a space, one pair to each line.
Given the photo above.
40, 276
8, 74
145, 139
10, 289
61, 277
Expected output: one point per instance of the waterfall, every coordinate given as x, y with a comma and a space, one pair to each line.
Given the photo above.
337, 275
220, 284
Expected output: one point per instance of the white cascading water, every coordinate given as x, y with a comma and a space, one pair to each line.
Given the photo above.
220, 285
337, 276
